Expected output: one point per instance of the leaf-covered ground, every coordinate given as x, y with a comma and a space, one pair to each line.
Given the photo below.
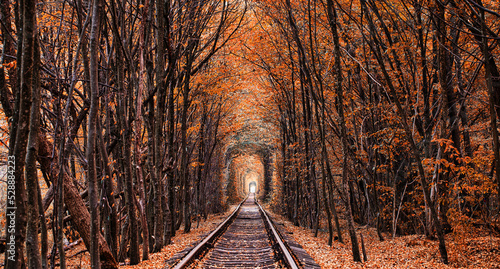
79, 258
180, 242
476, 249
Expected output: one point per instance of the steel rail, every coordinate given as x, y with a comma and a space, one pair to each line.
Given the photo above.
283, 248
209, 240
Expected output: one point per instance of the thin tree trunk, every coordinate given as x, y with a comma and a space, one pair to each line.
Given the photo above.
91, 137
489, 63
138, 130
158, 128
152, 172
332, 16
43, 229
9, 49
122, 254
327, 205
111, 226
184, 146
32, 242
171, 216
332, 201
445, 59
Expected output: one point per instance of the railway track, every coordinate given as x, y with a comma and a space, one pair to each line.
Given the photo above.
246, 239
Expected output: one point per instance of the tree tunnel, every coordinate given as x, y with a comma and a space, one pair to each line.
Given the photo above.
248, 169
252, 187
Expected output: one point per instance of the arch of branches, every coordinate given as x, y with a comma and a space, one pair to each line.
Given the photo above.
238, 179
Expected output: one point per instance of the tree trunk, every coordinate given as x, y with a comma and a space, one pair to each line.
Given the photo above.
332, 201
48, 161
171, 216
490, 67
32, 242
43, 229
111, 225
332, 17
158, 128
9, 49
91, 137
142, 87
184, 145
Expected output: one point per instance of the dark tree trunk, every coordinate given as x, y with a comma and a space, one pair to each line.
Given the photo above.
80, 215
184, 170
20, 129
32, 242
91, 136
332, 18
158, 129
111, 224
491, 73
9, 49
43, 230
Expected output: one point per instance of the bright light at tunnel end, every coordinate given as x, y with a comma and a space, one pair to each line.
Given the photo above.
252, 189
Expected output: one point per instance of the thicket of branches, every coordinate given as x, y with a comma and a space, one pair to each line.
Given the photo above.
387, 114
388, 109
121, 105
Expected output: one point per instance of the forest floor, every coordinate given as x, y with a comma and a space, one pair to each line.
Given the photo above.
472, 249
476, 249
78, 257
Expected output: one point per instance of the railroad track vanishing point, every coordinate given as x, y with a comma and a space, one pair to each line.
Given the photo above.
246, 239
